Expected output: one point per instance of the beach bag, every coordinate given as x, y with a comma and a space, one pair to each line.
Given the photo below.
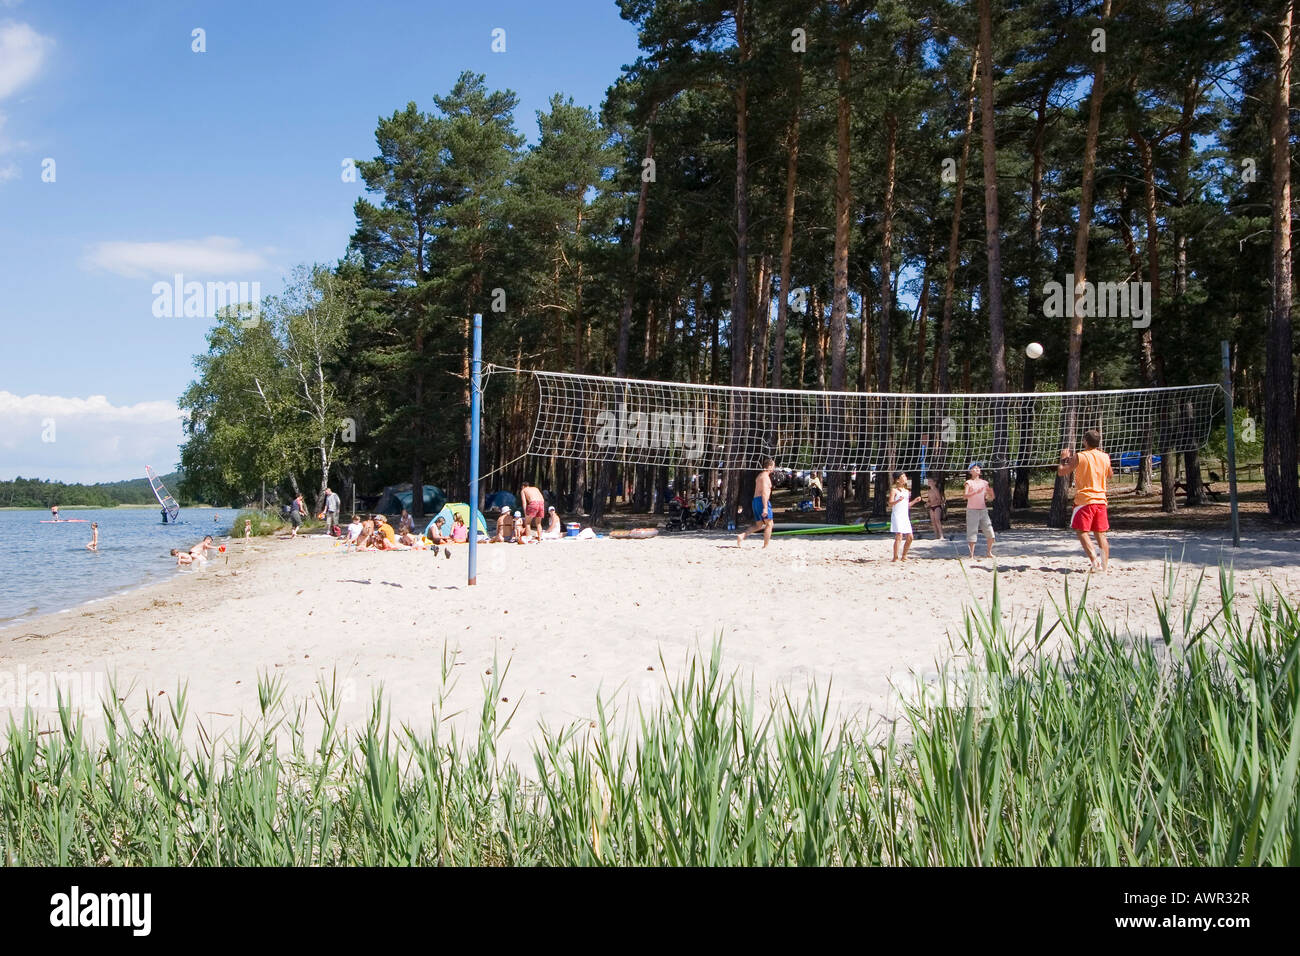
336, 532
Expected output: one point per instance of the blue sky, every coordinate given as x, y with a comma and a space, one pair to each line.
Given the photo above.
222, 165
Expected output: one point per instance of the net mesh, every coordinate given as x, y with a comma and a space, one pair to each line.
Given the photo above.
719, 427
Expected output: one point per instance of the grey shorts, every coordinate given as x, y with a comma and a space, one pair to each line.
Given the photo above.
977, 520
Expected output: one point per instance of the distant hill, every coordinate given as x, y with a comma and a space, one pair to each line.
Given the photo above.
35, 493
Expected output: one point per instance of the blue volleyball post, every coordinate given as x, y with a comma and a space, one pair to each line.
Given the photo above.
475, 406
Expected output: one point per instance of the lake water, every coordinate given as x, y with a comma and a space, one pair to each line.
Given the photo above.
46, 567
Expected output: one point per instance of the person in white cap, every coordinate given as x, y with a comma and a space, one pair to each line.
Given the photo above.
521, 529
553, 527
505, 526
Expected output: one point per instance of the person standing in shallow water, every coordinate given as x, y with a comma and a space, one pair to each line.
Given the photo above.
94, 537
761, 504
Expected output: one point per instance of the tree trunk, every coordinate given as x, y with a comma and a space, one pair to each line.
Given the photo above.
603, 471
1059, 515
939, 377
840, 280
787, 229
740, 280
993, 247
1280, 475
1020, 495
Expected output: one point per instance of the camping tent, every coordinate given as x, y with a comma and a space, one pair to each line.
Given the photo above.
499, 498
397, 497
448, 514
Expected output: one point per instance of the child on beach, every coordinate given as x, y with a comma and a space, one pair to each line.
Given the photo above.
183, 558
934, 501
248, 528
200, 550
459, 531
978, 494
900, 523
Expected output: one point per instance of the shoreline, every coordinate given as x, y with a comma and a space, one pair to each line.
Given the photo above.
568, 622
151, 575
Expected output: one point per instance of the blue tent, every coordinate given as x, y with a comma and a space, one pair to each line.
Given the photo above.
397, 497
499, 498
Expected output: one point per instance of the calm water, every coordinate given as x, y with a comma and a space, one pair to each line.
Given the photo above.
46, 567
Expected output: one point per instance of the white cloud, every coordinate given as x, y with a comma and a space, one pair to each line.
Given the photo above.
22, 51
93, 439
9, 171
213, 256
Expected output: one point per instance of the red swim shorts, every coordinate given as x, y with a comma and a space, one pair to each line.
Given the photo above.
1090, 518
535, 509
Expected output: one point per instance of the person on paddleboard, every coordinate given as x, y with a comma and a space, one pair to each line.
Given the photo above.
54, 512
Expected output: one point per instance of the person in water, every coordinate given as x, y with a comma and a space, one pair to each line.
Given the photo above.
54, 512
94, 537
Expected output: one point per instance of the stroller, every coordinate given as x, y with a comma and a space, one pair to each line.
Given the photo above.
678, 517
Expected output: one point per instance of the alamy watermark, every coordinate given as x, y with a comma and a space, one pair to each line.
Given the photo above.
1099, 300
205, 300
42, 690
681, 431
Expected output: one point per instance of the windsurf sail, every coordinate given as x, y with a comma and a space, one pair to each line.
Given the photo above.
163, 495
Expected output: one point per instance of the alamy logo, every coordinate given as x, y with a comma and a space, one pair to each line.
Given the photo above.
134, 910
682, 431
204, 300
1100, 300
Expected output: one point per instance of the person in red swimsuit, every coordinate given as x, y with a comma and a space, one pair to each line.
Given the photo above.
534, 510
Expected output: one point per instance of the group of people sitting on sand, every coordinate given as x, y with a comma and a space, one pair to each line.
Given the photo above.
514, 528
376, 534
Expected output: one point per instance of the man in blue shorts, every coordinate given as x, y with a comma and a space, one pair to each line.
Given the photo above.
762, 505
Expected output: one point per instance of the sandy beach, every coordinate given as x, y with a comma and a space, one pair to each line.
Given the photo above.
576, 620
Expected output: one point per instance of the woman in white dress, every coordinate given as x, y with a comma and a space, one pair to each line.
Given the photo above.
900, 522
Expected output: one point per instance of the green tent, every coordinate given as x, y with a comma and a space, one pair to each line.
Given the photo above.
448, 514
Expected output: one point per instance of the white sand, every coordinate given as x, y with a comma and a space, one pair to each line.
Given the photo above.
580, 618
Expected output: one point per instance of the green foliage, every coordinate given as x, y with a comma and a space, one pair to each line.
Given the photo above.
35, 493
1249, 435
265, 407
1066, 744
264, 523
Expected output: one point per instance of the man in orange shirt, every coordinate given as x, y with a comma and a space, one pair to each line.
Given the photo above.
1091, 469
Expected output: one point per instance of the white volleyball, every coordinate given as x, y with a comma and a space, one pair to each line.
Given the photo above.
1034, 350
